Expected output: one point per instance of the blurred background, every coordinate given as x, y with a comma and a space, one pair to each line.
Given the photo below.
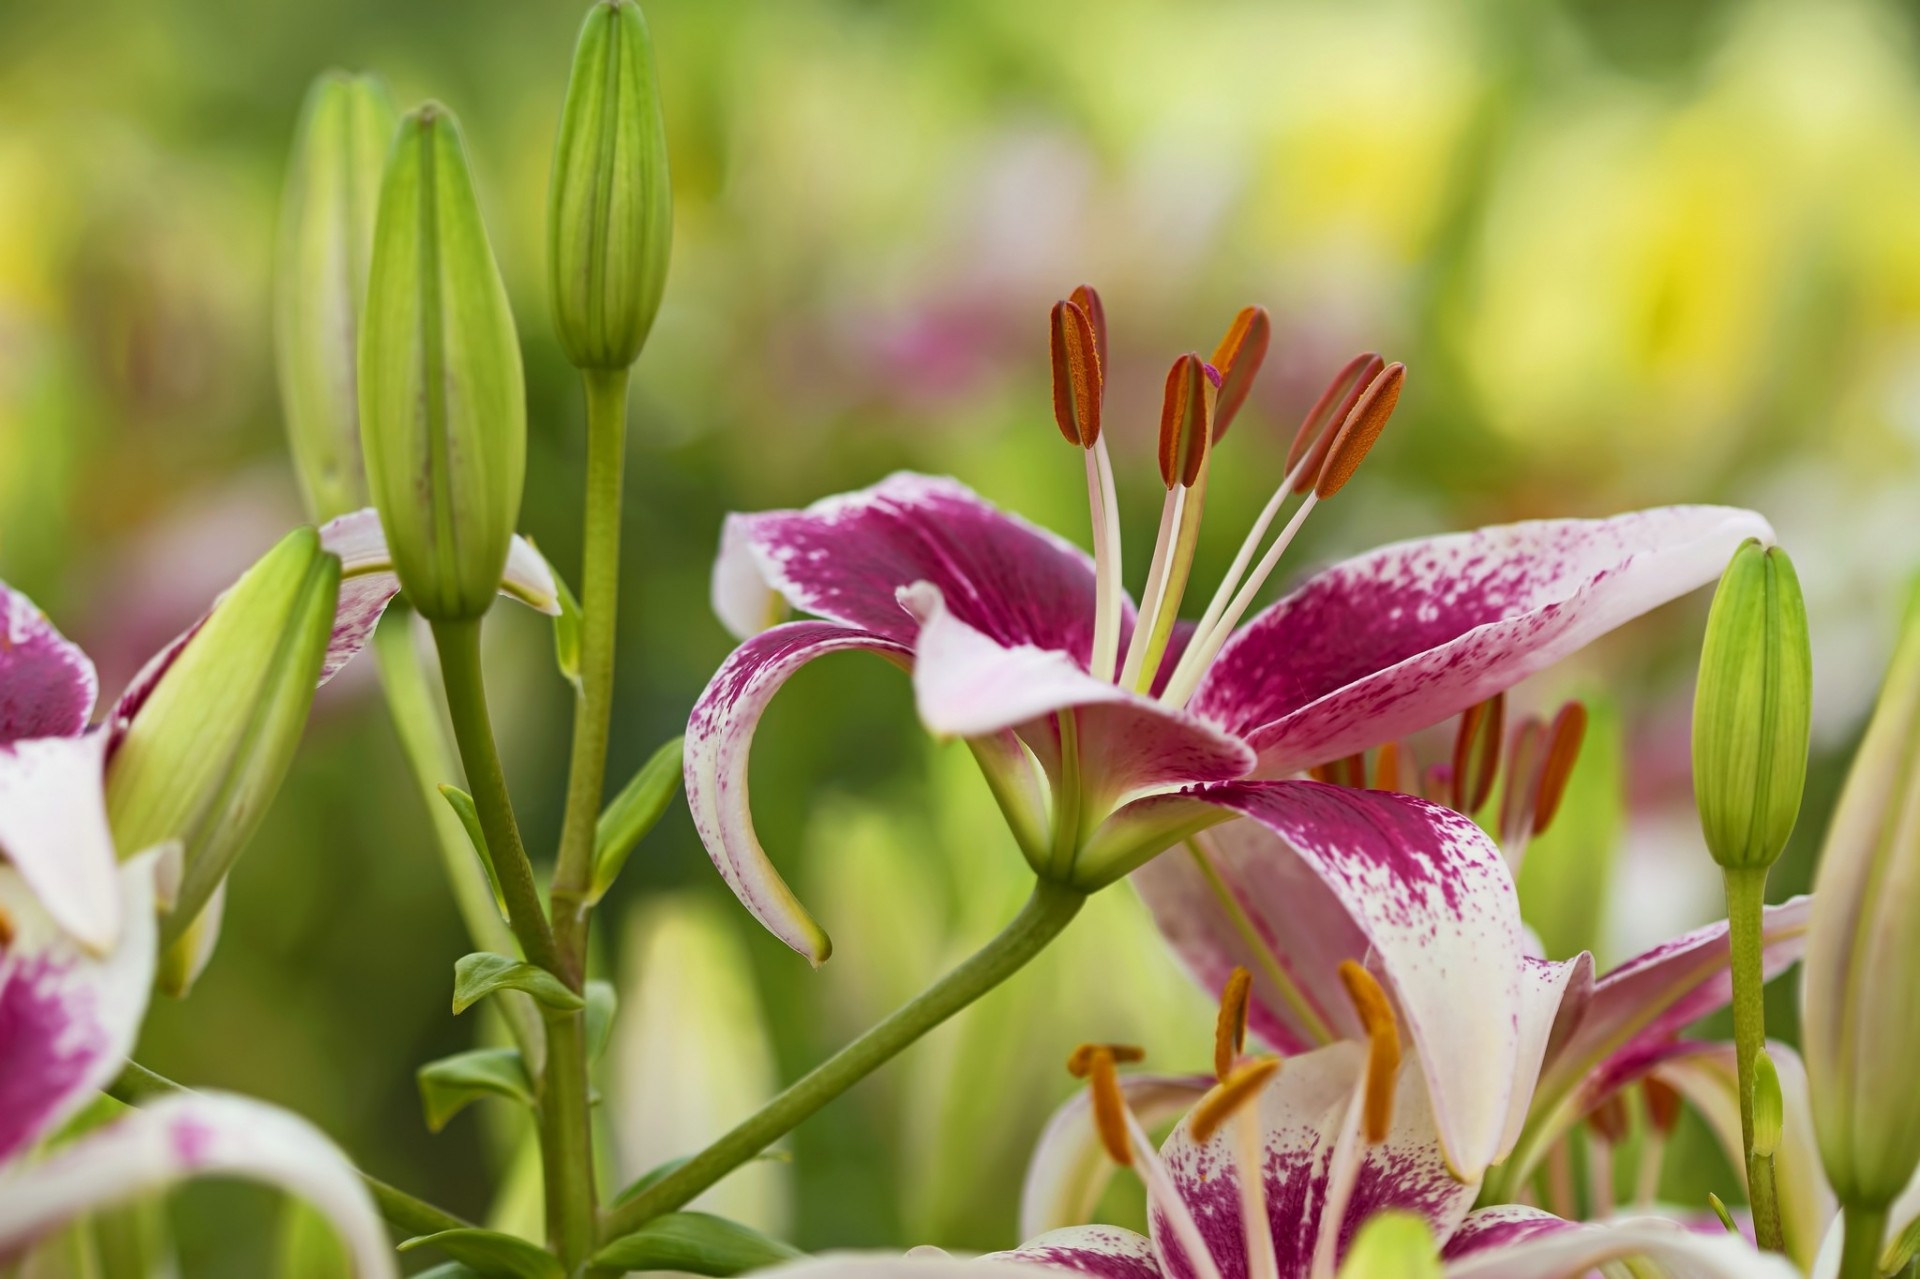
1633, 251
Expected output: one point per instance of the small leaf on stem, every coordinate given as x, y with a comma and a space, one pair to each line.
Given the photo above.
478, 975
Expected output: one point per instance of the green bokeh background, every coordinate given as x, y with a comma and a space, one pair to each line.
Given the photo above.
1633, 252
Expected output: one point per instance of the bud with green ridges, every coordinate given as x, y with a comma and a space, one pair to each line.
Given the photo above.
443, 418
610, 204
206, 748
1752, 713
320, 282
1859, 1032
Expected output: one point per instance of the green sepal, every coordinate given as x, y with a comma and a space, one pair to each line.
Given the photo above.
478, 975
491, 1254
566, 632
601, 1003
695, 1243
462, 805
634, 811
1769, 1107
447, 1086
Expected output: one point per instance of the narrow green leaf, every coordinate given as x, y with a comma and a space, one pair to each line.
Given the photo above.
449, 1270
601, 1002
650, 1178
447, 1086
566, 632
491, 1254
478, 975
462, 805
632, 814
695, 1243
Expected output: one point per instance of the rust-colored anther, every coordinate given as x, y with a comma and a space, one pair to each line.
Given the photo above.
1387, 768
1230, 1027
1360, 430
1238, 357
1109, 1106
1476, 754
1317, 429
1324, 773
7, 933
1229, 1097
1186, 418
1563, 752
1663, 1105
1076, 374
1383, 1046
1088, 300
1609, 1120
1525, 750
1081, 1062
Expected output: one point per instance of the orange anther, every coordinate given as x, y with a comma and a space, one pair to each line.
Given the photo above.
1387, 767
1526, 747
1230, 1027
1186, 418
1238, 357
1609, 1120
1088, 300
1476, 753
1317, 429
1383, 1046
1563, 751
1229, 1096
1076, 374
1109, 1106
1663, 1105
1081, 1062
1360, 430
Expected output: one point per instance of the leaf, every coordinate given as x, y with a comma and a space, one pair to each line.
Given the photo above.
601, 1002
478, 975
491, 1254
654, 1176
633, 812
449, 1270
695, 1243
462, 805
566, 633
447, 1086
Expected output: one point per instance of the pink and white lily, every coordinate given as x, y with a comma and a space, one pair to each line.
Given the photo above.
53, 765
1110, 734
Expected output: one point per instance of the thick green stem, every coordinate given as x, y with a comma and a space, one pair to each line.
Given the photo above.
137, 1085
459, 644
430, 756
566, 1142
599, 618
1746, 901
1860, 1254
1046, 913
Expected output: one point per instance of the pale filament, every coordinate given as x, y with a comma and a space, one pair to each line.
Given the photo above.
1105, 510
1262, 1262
1161, 1192
1343, 1171
1202, 649
1172, 517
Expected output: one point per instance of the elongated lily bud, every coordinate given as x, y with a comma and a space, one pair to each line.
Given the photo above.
1753, 710
1859, 1033
203, 753
610, 204
443, 415
320, 282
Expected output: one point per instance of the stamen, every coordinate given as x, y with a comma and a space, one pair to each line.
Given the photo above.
1078, 349
1238, 357
7, 932
1663, 1114
1088, 300
1227, 1097
1525, 751
1608, 1124
1383, 1046
1663, 1105
1343, 1173
1263, 1261
1109, 1108
1311, 441
1186, 419
1563, 751
1360, 430
1080, 1064
1077, 375
1230, 1027
1186, 443
1161, 1191
1476, 754
1387, 767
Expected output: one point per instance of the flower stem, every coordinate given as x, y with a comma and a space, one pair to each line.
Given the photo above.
566, 1141
1746, 900
459, 644
1046, 913
1860, 1254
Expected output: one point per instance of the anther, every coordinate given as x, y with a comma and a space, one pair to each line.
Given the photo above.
1096, 1064
1383, 1046
1080, 1064
1230, 1027
1663, 1105
1476, 754
1609, 1120
1077, 374
1311, 441
1229, 1096
1526, 749
1386, 767
1569, 730
1186, 420
7, 933
1088, 300
1360, 430
1238, 357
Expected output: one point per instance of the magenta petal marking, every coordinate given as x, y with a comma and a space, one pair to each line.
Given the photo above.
1513, 1242
1105, 1252
844, 559
719, 741
1403, 637
47, 685
1501, 1227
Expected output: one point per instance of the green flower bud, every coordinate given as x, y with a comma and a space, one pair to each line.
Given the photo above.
1392, 1245
206, 747
1859, 1033
320, 282
1753, 711
610, 205
443, 415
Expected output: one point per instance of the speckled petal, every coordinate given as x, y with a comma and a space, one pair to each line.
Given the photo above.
1105, 1252
1070, 1167
1395, 640
1513, 1242
47, 685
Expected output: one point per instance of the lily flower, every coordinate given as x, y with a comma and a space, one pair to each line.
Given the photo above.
53, 767
1109, 734
71, 1015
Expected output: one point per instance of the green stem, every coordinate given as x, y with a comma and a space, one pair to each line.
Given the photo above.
1860, 1254
430, 756
566, 1142
459, 644
1746, 902
137, 1085
599, 618
1046, 913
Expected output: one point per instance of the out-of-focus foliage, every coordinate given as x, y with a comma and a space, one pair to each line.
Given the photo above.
1632, 252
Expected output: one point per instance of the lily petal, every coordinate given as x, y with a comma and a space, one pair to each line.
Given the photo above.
69, 1017
53, 828
1402, 637
1514, 1242
47, 685
1070, 1167
204, 1134
1106, 1252
845, 558
1415, 890
1554, 998
719, 740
